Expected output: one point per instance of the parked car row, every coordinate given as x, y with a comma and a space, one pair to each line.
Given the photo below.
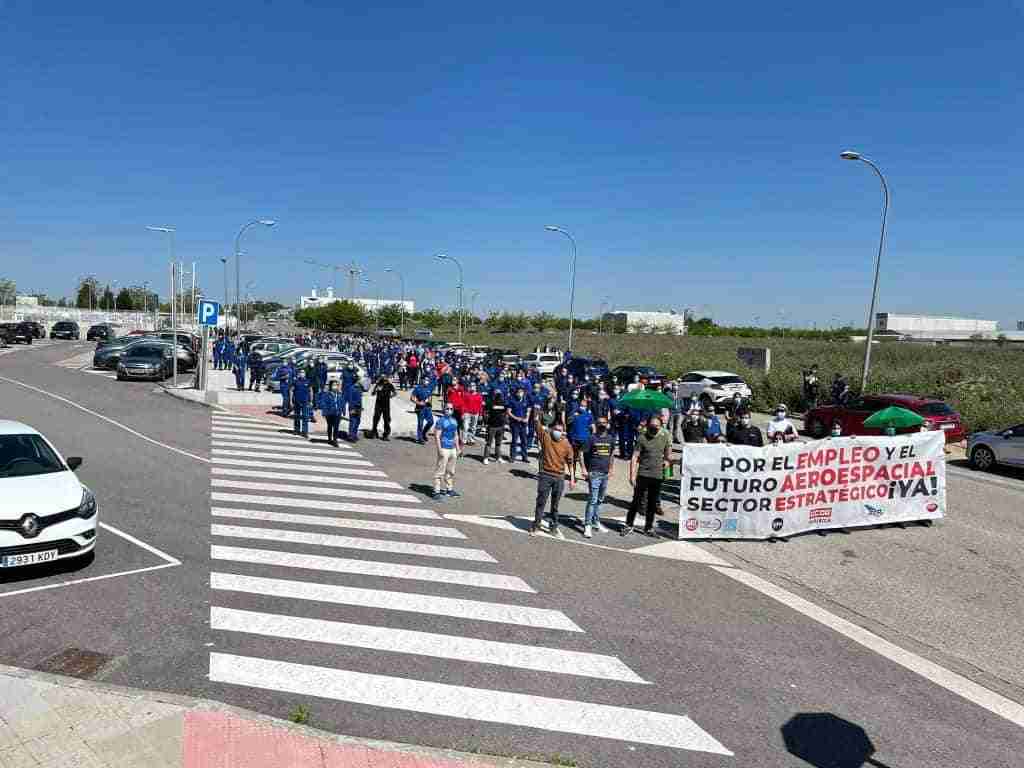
17, 333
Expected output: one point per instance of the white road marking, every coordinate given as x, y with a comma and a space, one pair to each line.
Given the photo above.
311, 466
279, 433
323, 458
316, 475
235, 421
148, 547
410, 602
281, 446
370, 568
312, 490
334, 506
315, 539
388, 640
951, 681
439, 531
517, 709
286, 440
681, 550
104, 418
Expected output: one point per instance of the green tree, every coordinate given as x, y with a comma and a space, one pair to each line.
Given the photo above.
429, 318
390, 316
106, 301
543, 320
88, 293
124, 300
8, 291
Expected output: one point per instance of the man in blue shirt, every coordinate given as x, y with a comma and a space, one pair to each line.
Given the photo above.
581, 427
422, 395
449, 444
301, 400
519, 415
355, 410
283, 376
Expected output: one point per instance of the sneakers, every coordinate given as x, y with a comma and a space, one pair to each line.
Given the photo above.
650, 532
600, 528
487, 461
453, 494
545, 524
586, 532
533, 530
557, 533
502, 461
626, 530
437, 495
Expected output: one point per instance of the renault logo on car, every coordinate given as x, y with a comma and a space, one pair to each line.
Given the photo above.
29, 525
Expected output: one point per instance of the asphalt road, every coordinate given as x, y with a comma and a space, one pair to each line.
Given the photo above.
388, 631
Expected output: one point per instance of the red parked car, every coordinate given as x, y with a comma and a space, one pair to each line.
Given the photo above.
937, 416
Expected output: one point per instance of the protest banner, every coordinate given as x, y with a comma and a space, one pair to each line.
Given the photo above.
743, 492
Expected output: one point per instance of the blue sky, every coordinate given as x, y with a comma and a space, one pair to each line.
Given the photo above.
692, 149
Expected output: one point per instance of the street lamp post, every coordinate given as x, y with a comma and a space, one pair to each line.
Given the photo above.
600, 322
238, 255
446, 257
472, 307
169, 231
248, 294
401, 279
224, 311
572, 278
849, 155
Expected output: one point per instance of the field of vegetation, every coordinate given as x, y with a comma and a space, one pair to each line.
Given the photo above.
985, 383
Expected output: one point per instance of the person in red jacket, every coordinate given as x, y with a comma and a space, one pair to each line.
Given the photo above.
472, 408
455, 397
414, 369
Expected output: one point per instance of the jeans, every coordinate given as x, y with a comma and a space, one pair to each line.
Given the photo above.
424, 421
676, 427
354, 415
332, 427
518, 438
651, 487
469, 424
446, 459
494, 436
286, 401
531, 432
548, 485
627, 439
598, 488
302, 419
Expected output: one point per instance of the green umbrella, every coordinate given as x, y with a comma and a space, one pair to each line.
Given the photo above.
646, 400
895, 417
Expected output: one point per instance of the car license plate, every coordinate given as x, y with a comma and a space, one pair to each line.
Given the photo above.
32, 558
949, 426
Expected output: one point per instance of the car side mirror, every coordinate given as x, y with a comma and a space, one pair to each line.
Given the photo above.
74, 462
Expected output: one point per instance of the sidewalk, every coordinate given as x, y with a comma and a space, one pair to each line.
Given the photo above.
52, 721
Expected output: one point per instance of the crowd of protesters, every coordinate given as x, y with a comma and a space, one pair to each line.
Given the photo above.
576, 425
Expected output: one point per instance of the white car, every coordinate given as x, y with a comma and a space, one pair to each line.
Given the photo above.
46, 513
543, 361
713, 387
479, 352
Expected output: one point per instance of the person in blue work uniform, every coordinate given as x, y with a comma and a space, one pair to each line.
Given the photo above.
519, 415
348, 378
284, 376
301, 401
330, 408
321, 374
229, 354
421, 400
581, 427
538, 399
218, 348
239, 369
355, 410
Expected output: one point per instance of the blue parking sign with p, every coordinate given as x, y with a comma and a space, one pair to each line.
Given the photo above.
208, 312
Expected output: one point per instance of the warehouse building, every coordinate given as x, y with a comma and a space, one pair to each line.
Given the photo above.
316, 300
629, 321
934, 326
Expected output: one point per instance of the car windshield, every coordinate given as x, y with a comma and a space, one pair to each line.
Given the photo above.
727, 379
24, 455
151, 352
936, 409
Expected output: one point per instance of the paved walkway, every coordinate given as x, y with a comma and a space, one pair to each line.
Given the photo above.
52, 721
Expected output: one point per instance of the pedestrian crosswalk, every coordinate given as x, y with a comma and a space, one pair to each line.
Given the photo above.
82, 362
328, 580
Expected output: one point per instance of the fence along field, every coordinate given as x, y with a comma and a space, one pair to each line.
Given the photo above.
984, 383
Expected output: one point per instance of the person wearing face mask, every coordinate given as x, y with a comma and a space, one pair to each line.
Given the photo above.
598, 465
693, 427
301, 398
519, 415
497, 420
781, 428
555, 459
330, 407
712, 425
449, 444
837, 429
646, 473
745, 433
472, 407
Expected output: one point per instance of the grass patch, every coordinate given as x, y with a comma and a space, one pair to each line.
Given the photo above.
299, 715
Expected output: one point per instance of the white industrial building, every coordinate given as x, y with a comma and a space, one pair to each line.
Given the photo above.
934, 326
316, 300
629, 321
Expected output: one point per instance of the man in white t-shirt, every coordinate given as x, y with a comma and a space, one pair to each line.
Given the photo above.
781, 429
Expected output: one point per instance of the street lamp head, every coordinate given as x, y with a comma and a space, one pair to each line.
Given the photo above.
160, 229
441, 257
552, 228
268, 222
850, 155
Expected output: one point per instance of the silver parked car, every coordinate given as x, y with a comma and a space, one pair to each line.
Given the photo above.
1004, 446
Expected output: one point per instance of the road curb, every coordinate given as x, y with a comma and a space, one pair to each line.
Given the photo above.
208, 705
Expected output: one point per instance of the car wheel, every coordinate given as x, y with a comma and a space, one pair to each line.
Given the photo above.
120, 377
816, 428
29, 341
982, 458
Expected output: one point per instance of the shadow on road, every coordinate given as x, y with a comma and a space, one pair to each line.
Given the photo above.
825, 740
